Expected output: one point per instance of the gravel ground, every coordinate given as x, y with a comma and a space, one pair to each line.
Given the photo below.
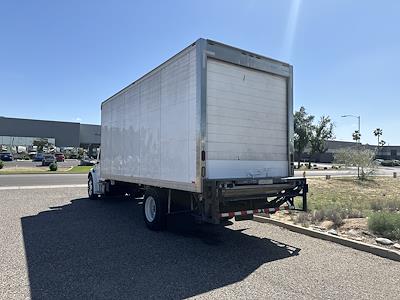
57, 244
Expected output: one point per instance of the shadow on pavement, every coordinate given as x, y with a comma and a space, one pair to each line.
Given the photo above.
102, 249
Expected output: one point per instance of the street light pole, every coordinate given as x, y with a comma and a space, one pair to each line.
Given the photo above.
359, 132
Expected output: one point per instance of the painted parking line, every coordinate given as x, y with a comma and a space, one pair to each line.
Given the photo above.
32, 187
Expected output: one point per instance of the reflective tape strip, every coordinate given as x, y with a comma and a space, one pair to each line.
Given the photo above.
254, 211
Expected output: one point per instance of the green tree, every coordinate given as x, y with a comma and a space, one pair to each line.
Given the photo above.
40, 143
302, 131
321, 132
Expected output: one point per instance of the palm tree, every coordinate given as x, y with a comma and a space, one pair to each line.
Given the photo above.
378, 132
356, 136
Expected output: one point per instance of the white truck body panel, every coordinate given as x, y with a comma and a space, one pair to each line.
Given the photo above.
246, 122
149, 129
210, 112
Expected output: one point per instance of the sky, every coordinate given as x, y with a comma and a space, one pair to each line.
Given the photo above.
60, 59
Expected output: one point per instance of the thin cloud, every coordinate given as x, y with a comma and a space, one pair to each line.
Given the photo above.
291, 28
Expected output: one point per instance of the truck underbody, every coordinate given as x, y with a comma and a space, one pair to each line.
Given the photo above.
220, 200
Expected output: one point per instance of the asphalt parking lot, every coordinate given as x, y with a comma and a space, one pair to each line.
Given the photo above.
25, 180
57, 244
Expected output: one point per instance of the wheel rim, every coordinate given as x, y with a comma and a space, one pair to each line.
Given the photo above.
150, 209
90, 187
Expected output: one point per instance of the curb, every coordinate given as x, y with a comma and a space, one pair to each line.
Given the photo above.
376, 250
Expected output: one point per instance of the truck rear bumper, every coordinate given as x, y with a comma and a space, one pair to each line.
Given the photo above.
227, 198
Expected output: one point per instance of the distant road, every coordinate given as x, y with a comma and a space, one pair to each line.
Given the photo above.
382, 171
73, 179
32, 164
42, 179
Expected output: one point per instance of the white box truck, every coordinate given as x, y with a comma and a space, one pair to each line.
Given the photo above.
208, 132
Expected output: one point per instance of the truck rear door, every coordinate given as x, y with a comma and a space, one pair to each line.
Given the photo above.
247, 122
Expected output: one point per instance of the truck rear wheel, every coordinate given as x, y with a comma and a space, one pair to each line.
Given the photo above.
154, 209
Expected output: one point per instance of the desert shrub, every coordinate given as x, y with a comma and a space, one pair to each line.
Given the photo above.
53, 167
1, 164
303, 218
335, 216
318, 216
386, 224
362, 158
354, 213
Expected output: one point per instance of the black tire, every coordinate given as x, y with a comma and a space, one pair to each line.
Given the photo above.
155, 202
91, 193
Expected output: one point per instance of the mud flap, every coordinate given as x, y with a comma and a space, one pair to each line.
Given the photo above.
243, 217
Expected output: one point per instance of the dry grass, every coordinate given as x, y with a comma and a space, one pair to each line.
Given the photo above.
353, 196
339, 199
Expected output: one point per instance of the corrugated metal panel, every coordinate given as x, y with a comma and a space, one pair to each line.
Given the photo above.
148, 130
246, 121
89, 134
66, 134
